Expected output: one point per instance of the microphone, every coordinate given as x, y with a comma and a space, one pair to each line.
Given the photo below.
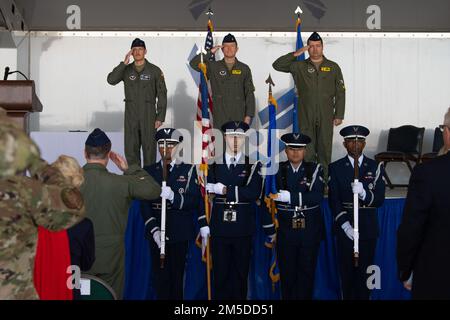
5, 75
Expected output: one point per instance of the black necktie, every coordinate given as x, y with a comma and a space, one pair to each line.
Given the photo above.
168, 170
232, 160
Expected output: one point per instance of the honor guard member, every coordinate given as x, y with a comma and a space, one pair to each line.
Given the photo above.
237, 185
108, 198
321, 97
231, 84
145, 102
300, 230
370, 190
183, 200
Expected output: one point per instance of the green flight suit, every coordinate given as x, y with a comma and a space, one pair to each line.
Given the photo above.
107, 198
141, 108
321, 100
232, 90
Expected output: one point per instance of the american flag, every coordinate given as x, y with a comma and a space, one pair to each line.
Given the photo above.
204, 104
208, 45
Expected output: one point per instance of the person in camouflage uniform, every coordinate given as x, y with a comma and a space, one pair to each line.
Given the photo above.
25, 204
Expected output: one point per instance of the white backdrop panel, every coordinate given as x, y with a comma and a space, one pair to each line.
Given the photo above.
390, 82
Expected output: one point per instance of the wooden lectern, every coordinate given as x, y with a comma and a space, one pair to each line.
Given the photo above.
19, 99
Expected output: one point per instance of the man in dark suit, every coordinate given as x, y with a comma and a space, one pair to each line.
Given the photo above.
423, 254
370, 190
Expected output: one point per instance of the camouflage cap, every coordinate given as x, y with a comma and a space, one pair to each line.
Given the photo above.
17, 151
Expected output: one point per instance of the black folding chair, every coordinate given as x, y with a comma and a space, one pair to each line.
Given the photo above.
404, 145
438, 142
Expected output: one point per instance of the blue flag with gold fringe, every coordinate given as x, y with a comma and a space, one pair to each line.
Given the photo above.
270, 188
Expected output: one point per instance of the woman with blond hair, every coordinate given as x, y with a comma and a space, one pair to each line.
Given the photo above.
58, 250
70, 169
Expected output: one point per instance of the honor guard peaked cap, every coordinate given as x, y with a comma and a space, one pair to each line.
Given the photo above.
235, 128
295, 140
170, 135
355, 131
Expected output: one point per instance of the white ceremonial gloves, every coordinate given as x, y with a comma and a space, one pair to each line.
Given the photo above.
216, 188
272, 238
204, 233
157, 238
347, 227
167, 193
408, 283
284, 196
359, 189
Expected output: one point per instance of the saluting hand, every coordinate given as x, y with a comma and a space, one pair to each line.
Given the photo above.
214, 49
127, 57
300, 51
118, 160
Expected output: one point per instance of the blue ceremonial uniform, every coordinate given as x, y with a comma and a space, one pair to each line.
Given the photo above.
232, 226
182, 179
340, 197
300, 228
182, 197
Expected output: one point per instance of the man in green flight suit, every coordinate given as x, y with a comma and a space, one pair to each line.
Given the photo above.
107, 199
143, 83
321, 101
231, 84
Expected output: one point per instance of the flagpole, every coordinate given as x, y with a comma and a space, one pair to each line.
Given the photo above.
205, 174
207, 213
270, 186
295, 125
